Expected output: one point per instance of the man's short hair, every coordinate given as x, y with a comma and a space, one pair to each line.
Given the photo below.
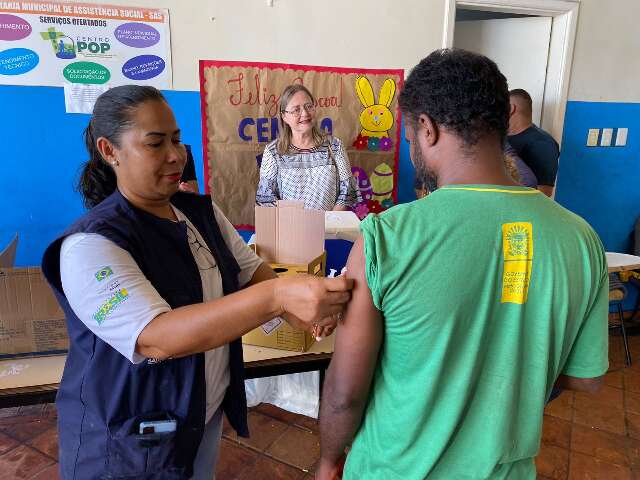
461, 91
523, 99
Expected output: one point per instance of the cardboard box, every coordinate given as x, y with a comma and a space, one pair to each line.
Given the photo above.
291, 239
8, 255
277, 333
31, 321
289, 233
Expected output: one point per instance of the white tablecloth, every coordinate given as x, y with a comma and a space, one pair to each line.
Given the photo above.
622, 261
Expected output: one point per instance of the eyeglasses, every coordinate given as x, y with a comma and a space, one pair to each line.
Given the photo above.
296, 112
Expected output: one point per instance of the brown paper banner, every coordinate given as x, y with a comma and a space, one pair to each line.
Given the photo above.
240, 117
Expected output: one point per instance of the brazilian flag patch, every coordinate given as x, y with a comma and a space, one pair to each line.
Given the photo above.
104, 272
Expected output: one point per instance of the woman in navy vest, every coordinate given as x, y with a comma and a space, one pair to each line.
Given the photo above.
157, 288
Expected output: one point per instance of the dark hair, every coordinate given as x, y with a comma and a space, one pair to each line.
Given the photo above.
461, 91
111, 117
523, 95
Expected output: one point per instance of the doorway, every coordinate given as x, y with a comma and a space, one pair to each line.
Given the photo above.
530, 40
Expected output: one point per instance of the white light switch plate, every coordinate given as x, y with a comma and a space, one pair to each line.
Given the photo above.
605, 140
592, 138
621, 137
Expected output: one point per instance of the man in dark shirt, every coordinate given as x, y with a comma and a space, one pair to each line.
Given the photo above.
527, 177
533, 145
189, 182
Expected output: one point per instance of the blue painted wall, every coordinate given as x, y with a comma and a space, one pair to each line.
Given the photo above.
406, 193
602, 184
42, 150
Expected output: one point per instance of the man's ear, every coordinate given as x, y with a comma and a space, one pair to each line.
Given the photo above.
427, 129
512, 109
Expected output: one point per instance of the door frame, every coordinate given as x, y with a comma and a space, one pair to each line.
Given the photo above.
564, 14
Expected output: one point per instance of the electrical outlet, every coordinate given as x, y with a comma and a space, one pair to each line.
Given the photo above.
621, 137
592, 138
607, 134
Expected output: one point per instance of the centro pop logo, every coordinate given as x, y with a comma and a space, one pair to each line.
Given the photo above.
63, 46
66, 48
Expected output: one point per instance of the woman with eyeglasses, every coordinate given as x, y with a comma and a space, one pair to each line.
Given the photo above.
157, 289
304, 163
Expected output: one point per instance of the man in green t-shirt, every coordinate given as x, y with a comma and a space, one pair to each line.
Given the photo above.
469, 305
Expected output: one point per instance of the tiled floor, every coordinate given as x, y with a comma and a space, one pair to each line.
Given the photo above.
584, 436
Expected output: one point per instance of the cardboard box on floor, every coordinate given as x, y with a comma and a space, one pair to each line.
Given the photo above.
291, 239
31, 321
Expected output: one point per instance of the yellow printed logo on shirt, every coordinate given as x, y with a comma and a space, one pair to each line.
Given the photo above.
517, 246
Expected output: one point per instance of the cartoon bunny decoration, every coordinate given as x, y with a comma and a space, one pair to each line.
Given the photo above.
376, 118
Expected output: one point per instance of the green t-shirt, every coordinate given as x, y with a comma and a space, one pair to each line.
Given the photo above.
488, 293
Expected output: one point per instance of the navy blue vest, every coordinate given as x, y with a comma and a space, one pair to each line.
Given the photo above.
103, 397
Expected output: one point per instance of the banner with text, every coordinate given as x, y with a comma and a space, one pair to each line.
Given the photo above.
240, 116
63, 43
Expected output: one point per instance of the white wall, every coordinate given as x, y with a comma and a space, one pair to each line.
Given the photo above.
606, 60
383, 34
349, 33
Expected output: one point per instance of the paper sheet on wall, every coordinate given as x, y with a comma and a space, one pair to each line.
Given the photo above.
54, 42
80, 98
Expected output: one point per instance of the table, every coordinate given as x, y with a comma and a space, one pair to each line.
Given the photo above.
36, 379
41, 384
621, 262
269, 362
